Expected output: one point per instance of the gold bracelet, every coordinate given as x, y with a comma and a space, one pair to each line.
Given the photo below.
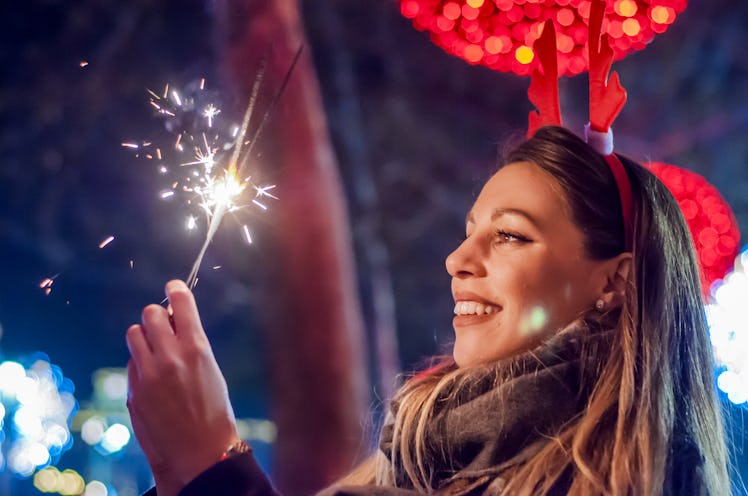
236, 448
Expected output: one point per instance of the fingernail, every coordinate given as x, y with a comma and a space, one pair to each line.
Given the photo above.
175, 285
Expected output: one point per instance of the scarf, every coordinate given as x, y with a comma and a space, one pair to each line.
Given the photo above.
506, 415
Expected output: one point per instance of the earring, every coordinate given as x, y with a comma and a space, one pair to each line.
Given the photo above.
600, 304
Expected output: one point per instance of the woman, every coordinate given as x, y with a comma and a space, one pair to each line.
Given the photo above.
581, 363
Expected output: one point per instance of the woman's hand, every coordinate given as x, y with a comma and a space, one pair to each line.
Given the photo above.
178, 400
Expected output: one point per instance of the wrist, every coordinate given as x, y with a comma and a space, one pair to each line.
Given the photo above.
200, 459
236, 447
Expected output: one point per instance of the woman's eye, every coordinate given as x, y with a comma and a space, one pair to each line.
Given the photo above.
509, 237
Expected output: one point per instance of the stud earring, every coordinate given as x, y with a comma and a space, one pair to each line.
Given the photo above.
600, 304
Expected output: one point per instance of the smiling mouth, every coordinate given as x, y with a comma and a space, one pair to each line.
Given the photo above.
474, 308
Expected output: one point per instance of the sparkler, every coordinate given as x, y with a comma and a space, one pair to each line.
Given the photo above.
214, 170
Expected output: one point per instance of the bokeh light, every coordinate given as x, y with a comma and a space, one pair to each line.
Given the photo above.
105, 424
93, 430
41, 413
710, 219
115, 386
39, 403
459, 26
11, 375
95, 488
728, 330
115, 438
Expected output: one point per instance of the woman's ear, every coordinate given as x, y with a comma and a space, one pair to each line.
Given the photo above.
616, 275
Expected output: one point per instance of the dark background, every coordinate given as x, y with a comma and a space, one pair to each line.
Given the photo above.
415, 130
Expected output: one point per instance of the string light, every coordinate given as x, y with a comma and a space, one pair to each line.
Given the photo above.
500, 33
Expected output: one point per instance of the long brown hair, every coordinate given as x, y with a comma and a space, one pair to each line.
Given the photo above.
652, 386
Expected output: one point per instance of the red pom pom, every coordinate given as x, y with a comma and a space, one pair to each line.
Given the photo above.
500, 33
710, 219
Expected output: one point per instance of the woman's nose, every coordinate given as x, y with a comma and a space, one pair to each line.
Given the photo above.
465, 260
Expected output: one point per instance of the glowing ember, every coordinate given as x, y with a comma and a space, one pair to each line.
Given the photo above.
46, 284
106, 241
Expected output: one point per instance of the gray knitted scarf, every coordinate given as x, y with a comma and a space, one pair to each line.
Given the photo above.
509, 412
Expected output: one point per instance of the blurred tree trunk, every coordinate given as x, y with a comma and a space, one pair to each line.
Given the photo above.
314, 331
347, 124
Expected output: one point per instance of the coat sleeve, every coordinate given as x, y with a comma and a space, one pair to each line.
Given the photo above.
241, 476
367, 491
236, 476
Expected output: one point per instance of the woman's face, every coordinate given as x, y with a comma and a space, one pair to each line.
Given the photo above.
521, 273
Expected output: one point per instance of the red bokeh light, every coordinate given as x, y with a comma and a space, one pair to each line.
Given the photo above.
457, 24
709, 217
410, 8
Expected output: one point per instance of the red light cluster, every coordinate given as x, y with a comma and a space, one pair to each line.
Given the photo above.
709, 217
500, 33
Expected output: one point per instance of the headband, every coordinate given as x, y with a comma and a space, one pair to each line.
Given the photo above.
624, 193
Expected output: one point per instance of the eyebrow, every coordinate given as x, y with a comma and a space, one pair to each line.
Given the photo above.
498, 212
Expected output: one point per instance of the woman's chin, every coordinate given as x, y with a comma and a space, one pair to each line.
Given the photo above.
473, 347
477, 339
472, 354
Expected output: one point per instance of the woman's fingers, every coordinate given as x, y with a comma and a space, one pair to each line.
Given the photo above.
185, 315
140, 351
178, 398
158, 329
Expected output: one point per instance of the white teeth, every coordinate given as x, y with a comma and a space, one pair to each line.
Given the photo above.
473, 308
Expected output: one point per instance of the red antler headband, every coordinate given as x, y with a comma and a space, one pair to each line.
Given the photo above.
607, 98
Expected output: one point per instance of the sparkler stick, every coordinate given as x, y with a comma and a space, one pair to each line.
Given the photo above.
233, 172
217, 214
274, 103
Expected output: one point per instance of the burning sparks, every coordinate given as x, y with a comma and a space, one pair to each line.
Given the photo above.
106, 241
214, 157
213, 171
46, 284
210, 112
